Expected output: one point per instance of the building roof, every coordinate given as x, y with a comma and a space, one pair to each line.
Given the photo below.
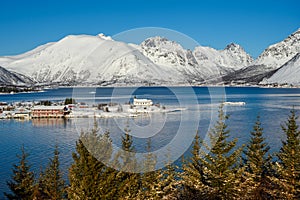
48, 108
142, 100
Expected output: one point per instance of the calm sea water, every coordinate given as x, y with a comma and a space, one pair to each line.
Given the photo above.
40, 136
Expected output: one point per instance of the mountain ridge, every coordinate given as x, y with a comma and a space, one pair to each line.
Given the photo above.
85, 59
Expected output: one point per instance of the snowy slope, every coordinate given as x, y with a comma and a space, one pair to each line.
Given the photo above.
172, 56
278, 54
232, 58
202, 63
288, 73
85, 59
101, 60
268, 62
88, 59
235, 57
11, 78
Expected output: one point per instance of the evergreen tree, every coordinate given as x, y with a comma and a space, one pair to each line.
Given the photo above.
69, 101
218, 170
159, 184
169, 182
257, 164
129, 182
88, 175
288, 165
51, 183
84, 175
22, 183
149, 177
39, 192
192, 174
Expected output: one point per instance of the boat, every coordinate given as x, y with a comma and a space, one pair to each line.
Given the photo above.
238, 103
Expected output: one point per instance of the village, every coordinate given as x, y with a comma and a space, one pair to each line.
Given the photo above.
70, 109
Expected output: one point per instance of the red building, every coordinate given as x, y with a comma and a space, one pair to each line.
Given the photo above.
49, 111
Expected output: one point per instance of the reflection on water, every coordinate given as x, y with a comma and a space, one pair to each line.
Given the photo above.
52, 122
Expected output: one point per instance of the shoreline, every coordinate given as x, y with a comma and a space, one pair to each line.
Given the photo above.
153, 86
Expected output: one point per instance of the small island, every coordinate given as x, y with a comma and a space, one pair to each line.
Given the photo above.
69, 108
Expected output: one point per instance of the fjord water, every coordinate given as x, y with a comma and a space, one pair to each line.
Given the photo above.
41, 135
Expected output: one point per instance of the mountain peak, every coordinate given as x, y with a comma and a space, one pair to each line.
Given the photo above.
233, 46
104, 37
155, 41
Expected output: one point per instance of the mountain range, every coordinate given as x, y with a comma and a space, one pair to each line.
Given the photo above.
99, 60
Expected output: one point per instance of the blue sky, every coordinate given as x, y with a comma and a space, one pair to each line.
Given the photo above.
253, 24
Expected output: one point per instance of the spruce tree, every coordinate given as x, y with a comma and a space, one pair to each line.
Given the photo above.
192, 173
129, 181
22, 183
257, 162
169, 182
219, 173
87, 175
51, 183
288, 165
159, 184
39, 192
149, 177
83, 175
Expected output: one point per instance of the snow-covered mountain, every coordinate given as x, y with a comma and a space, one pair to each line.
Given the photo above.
289, 73
101, 60
89, 59
169, 54
232, 58
202, 63
11, 78
85, 59
278, 54
268, 62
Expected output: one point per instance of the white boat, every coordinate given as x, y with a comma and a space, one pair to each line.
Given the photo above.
238, 103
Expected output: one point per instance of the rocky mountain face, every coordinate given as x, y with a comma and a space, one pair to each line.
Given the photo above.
272, 58
11, 78
88, 59
278, 54
203, 62
84, 59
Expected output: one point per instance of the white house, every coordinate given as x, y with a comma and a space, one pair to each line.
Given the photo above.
142, 102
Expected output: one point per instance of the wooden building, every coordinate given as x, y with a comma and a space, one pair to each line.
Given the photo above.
49, 111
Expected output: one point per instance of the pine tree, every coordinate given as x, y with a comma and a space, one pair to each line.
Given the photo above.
192, 173
129, 181
149, 177
51, 183
257, 164
83, 175
160, 184
220, 172
88, 175
22, 183
169, 181
38, 192
288, 165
